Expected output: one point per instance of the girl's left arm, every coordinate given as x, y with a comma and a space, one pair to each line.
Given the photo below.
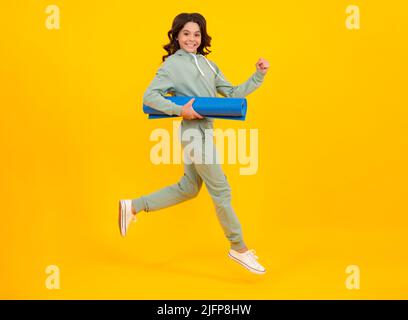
226, 89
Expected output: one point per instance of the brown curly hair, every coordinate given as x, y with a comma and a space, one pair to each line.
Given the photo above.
178, 24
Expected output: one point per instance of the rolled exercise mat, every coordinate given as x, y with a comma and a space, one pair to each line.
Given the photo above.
210, 107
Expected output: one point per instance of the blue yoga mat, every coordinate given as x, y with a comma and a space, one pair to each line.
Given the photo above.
220, 108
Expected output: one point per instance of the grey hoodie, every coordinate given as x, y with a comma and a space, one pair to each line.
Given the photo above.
188, 74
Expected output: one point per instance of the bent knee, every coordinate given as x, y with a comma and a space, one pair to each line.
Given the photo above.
189, 188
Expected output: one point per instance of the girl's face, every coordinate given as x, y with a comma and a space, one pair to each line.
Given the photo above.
189, 37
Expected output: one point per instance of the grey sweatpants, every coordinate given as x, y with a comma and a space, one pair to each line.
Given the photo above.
190, 184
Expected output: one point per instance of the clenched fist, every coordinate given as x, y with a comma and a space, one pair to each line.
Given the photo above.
262, 65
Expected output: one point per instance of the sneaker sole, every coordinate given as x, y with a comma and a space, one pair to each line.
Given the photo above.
246, 266
122, 219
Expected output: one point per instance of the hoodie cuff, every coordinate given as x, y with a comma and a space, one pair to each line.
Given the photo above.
176, 109
259, 76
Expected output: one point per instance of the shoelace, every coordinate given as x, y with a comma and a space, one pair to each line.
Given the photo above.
252, 256
252, 253
132, 216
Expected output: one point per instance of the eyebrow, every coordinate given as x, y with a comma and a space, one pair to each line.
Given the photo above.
189, 31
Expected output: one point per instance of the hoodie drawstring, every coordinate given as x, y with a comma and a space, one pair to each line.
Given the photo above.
196, 62
212, 68
209, 64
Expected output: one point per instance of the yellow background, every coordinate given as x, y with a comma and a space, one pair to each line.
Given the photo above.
331, 189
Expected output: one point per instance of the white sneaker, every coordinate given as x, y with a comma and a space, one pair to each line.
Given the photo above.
125, 216
248, 260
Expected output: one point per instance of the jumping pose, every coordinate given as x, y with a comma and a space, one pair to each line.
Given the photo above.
186, 71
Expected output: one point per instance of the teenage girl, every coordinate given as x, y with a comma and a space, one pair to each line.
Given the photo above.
186, 71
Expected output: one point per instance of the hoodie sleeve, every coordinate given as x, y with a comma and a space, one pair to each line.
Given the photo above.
154, 94
226, 89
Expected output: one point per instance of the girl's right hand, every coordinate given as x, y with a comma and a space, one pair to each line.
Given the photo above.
188, 113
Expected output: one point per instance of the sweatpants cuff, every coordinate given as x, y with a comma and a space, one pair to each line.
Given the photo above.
139, 204
238, 245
